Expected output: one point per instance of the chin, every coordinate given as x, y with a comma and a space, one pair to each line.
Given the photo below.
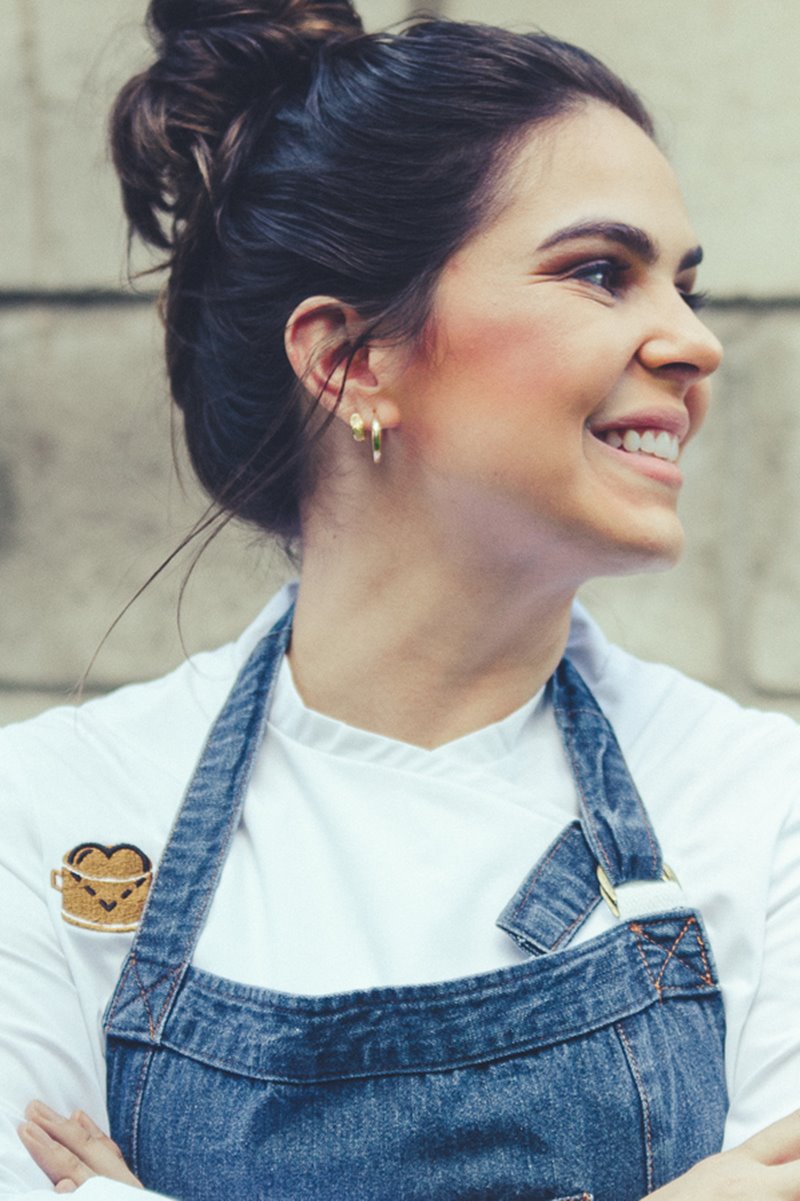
658, 548
655, 557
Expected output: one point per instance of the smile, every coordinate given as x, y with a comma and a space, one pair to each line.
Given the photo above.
659, 443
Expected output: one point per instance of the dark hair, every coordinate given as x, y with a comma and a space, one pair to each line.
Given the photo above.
276, 151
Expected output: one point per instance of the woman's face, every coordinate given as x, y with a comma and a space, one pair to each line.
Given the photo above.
562, 338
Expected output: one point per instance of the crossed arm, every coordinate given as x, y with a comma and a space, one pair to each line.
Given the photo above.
71, 1150
765, 1168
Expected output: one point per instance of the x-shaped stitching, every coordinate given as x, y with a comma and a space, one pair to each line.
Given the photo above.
670, 953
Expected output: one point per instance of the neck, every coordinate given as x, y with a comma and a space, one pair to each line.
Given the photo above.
421, 643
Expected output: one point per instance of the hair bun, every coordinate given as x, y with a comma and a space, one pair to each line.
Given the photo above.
307, 20
180, 128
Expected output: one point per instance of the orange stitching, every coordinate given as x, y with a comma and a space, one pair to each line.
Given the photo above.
642, 935
637, 930
646, 823
654, 849
642, 1097
585, 810
143, 993
556, 846
709, 976
176, 972
565, 934
136, 1111
671, 951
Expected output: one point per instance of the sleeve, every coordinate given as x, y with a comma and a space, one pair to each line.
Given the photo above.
46, 1049
766, 1074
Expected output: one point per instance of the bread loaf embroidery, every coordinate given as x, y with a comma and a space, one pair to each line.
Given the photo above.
103, 888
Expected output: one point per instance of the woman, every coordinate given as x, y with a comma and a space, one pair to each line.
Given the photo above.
430, 315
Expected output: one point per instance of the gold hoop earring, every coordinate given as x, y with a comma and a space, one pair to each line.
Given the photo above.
376, 431
357, 426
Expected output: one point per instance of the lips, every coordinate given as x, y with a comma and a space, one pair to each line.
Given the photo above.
655, 433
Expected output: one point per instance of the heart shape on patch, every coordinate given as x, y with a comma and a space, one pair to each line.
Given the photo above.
103, 888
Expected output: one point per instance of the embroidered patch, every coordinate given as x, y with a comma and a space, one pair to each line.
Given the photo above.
103, 888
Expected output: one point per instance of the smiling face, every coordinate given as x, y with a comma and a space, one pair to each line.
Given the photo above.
566, 367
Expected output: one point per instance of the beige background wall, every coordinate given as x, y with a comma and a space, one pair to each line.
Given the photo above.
89, 501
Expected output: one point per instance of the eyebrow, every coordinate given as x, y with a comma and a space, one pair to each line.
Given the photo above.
630, 236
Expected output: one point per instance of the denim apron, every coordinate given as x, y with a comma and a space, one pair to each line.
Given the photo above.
593, 1072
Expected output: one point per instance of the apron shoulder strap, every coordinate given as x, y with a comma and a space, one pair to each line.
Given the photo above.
197, 847
612, 844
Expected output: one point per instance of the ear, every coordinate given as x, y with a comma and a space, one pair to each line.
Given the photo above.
318, 338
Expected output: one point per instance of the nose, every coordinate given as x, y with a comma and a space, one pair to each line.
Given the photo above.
679, 342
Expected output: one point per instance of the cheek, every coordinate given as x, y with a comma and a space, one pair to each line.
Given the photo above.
527, 369
507, 364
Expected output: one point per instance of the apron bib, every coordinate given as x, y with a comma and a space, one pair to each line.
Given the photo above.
592, 1073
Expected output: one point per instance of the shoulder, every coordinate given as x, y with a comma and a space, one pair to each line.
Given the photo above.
662, 715
721, 782
114, 769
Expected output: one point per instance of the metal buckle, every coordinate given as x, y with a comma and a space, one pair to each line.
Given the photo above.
609, 893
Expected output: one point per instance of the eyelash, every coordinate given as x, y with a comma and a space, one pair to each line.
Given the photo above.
615, 273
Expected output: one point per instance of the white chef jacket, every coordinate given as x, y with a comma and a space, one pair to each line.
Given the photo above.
358, 857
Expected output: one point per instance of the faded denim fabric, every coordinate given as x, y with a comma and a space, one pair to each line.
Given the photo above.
584, 1074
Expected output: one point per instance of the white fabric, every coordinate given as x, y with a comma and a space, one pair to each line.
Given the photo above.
362, 861
643, 898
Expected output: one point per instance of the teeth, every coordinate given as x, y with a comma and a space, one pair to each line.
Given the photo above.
665, 446
659, 443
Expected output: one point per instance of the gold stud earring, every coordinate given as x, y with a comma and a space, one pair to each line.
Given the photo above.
357, 426
376, 432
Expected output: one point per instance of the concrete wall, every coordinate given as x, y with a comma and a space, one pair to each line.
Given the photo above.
89, 501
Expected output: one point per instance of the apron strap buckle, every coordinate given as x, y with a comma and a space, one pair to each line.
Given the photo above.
609, 893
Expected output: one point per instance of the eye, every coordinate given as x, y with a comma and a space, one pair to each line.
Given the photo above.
607, 274
695, 300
